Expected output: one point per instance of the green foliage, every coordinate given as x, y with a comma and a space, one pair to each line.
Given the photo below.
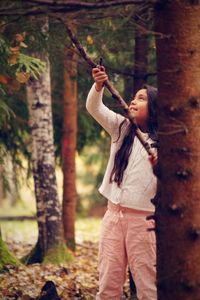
17, 65
4, 53
14, 129
5, 112
21, 63
31, 65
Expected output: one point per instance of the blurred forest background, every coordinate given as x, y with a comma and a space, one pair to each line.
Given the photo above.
53, 154
41, 70
110, 35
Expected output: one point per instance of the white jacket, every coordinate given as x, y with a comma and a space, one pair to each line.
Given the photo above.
139, 183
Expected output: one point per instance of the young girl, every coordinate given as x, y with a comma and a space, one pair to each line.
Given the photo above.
128, 184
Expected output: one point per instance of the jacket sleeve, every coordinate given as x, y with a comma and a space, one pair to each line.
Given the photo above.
108, 119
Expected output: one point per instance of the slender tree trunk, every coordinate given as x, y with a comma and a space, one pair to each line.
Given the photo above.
141, 51
12, 193
178, 201
69, 141
2, 193
43, 161
128, 87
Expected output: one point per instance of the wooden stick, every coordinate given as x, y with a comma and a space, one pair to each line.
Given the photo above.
115, 94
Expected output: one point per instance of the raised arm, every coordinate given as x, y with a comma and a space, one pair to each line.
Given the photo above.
108, 119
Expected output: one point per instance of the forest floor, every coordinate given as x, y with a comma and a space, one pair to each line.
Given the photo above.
77, 280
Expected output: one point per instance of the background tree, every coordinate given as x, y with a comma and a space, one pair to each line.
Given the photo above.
69, 145
177, 25
16, 68
50, 238
141, 48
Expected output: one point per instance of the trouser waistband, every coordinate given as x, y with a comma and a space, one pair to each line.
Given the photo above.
117, 207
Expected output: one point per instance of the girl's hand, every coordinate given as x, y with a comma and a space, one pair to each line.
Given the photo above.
153, 159
99, 75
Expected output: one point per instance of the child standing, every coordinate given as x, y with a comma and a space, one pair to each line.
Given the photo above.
128, 184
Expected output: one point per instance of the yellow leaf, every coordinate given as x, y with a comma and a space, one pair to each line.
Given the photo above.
90, 40
23, 45
13, 59
14, 55
14, 50
22, 77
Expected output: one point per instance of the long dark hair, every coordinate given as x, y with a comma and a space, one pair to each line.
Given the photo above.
123, 154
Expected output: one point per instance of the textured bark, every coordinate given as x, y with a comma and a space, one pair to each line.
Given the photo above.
43, 162
69, 141
178, 202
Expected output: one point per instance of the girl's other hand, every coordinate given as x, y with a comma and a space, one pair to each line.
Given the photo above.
99, 75
153, 159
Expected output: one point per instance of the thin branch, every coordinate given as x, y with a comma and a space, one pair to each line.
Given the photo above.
124, 72
131, 74
46, 7
83, 4
115, 94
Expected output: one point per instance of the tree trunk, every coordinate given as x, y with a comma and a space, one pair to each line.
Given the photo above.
178, 201
43, 164
12, 192
2, 193
69, 141
141, 51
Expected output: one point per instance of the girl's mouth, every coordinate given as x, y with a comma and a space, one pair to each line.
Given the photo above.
132, 109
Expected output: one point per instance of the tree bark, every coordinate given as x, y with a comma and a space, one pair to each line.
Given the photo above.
178, 200
43, 162
69, 142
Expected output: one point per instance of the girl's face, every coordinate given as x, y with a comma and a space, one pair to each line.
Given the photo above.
139, 109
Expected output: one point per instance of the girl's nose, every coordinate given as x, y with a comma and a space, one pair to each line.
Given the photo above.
133, 101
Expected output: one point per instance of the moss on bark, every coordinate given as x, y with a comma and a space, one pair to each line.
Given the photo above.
6, 258
55, 255
58, 254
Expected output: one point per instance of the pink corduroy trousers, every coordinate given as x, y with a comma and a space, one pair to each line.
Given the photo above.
125, 240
